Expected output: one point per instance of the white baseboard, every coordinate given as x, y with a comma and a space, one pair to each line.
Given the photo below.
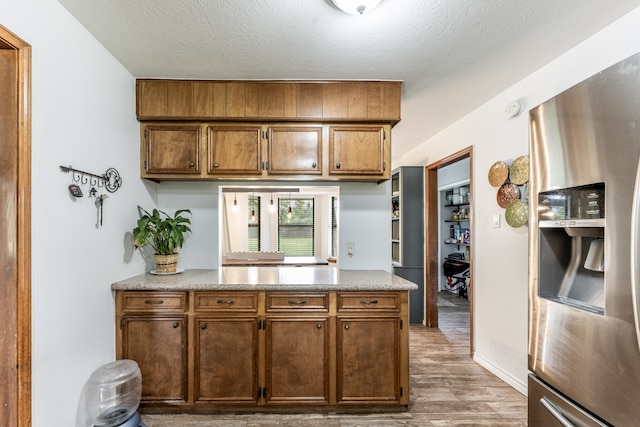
504, 376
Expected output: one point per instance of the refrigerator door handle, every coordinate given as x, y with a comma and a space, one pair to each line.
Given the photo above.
634, 252
555, 412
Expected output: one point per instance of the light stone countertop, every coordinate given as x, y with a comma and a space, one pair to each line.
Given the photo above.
268, 278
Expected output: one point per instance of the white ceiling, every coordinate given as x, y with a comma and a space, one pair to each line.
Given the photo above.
452, 55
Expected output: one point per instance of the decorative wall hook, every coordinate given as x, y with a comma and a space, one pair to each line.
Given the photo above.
110, 180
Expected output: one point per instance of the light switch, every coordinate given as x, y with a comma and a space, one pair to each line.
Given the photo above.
496, 221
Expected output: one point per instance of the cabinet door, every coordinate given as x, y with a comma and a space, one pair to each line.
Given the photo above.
297, 360
357, 150
368, 353
159, 345
295, 150
226, 360
172, 149
234, 150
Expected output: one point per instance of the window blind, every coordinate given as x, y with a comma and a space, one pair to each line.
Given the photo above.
254, 223
296, 227
334, 227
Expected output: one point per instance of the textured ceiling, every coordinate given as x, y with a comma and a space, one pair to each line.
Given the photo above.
467, 50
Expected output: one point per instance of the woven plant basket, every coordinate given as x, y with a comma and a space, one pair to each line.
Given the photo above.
166, 263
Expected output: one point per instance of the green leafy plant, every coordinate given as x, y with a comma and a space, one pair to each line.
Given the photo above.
164, 233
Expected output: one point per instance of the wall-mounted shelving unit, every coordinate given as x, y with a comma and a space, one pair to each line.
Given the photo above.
456, 233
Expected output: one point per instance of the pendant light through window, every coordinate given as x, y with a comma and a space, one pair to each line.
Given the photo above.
272, 207
253, 210
234, 208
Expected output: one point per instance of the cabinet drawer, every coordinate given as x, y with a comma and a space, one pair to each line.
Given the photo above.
298, 301
387, 302
154, 301
226, 301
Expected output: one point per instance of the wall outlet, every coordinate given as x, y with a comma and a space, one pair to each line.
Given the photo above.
351, 248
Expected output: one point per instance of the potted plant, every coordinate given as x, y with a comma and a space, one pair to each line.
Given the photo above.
164, 233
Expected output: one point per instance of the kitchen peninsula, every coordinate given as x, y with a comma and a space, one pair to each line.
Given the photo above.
267, 338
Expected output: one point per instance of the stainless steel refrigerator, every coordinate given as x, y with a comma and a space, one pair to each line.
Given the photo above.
584, 246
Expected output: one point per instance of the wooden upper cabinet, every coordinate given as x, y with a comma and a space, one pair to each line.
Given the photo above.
295, 150
171, 149
358, 150
234, 150
361, 101
342, 101
151, 98
322, 130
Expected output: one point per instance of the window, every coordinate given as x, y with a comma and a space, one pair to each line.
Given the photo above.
296, 227
334, 227
254, 223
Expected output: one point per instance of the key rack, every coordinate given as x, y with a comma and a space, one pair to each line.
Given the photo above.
110, 180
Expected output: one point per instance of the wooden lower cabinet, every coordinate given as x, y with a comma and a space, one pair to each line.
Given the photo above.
297, 360
226, 360
215, 351
159, 345
368, 360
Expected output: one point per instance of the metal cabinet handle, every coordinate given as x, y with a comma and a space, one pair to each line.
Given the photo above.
319, 326
215, 165
227, 302
337, 165
302, 302
191, 164
153, 302
363, 302
175, 325
346, 327
634, 251
555, 412
203, 326
314, 165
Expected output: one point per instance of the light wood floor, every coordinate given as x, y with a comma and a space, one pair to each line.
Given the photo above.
447, 388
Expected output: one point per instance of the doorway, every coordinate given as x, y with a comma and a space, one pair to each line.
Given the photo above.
15, 230
432, 220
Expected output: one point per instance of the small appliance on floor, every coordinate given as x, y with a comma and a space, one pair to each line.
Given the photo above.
111, 396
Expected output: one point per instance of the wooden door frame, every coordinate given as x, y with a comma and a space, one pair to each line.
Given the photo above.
432, 224
22, 402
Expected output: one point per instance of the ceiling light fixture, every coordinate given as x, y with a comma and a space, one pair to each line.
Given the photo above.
356, 7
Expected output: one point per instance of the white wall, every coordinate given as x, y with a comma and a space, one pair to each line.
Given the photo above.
500, 254
83, 115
